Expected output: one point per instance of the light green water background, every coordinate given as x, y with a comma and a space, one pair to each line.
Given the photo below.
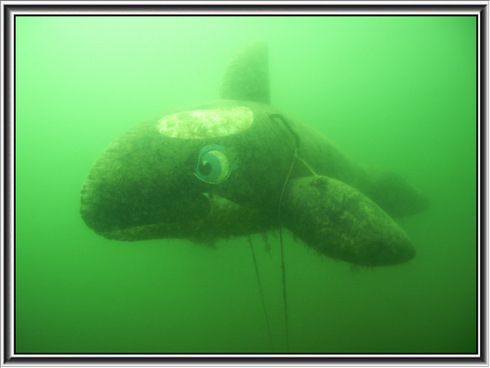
397, 92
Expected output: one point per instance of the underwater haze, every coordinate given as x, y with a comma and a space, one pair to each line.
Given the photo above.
390, 91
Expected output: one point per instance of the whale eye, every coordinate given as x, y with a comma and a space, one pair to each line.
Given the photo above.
213, 165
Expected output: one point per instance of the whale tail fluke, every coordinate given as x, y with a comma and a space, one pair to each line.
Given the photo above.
394, 194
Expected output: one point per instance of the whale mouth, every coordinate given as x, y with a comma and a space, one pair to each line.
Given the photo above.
152, 231
212, 217
125, 210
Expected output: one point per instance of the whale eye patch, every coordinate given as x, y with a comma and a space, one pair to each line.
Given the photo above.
213, 165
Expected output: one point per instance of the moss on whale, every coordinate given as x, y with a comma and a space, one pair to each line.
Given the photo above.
239, 166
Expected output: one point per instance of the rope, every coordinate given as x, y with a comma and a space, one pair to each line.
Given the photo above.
294, 157
260, 288
283, 264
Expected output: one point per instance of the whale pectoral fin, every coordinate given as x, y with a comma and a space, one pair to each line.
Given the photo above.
339, 221
246, 77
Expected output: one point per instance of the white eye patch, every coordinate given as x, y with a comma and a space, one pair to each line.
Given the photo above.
201, 124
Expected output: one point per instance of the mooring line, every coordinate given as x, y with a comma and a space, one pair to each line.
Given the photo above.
284, 290
294, 157
283, 263
260, 289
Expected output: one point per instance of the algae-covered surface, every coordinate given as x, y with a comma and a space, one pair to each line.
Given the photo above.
397, 93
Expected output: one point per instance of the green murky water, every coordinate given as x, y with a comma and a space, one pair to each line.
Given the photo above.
397, 92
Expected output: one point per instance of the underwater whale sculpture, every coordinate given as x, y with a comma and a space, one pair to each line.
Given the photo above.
238, 166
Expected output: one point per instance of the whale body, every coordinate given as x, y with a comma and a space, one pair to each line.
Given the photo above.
238, 166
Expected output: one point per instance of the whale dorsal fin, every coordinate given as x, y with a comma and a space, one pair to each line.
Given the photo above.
247, 74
